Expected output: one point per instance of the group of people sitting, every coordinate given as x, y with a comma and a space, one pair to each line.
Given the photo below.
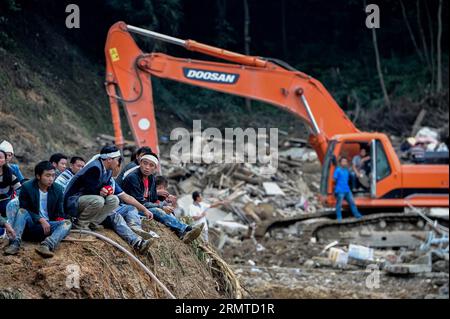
86, 196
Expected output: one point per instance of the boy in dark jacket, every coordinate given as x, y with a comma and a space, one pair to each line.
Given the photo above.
41, 215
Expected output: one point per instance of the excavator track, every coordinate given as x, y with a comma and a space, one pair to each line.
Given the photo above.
381, 230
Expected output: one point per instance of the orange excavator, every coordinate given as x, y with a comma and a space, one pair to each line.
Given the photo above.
128, 82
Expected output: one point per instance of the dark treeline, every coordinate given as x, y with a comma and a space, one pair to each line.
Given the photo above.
326, 39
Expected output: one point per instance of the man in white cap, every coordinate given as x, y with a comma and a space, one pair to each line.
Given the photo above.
7, 147
141, 184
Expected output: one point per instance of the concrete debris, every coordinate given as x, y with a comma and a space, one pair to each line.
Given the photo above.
338, 256
295, 153
189, 185
425, 147
442, 213
428, 134
331, 245
255, 193
233, 229
360, 253
420, 265
272, 189
215, 215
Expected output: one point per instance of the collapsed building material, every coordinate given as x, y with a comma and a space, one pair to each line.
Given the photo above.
272, 189
420, 265
253, 193
338, 256
233, 229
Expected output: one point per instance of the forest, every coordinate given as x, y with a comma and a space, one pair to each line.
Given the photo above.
405, 60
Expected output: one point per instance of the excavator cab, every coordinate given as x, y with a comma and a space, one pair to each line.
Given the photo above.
375, 171
387, 183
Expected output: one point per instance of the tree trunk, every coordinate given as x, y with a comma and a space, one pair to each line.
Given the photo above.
379, 69
247, 41
283, 29
358, 106
432, 55
422, 35
411, 33
222, 27
439, 49
221, 6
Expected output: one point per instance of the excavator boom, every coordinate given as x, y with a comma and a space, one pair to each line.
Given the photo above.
246, 76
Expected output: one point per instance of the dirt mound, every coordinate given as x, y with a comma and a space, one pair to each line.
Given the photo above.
106, 272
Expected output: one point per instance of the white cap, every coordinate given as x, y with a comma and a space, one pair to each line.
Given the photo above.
6, 147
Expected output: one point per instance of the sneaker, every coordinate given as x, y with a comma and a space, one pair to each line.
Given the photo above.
193, 234
12, 249
139, 231
143, 245
44, 251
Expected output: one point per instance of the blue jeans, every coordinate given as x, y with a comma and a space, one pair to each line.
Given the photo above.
349, 198
24, 225
130, 214
11, 210
116, 222
170, 221
3, 204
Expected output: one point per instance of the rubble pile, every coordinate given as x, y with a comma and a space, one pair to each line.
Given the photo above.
338, 270
254, 194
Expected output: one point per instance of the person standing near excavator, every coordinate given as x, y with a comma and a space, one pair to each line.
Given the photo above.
342, 189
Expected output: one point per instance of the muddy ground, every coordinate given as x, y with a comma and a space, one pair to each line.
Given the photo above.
285, 270
105, 272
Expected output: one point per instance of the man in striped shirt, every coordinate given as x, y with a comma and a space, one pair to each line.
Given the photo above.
76, 164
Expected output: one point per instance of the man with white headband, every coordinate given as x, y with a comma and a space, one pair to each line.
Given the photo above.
92, 196
135, 160
141, 184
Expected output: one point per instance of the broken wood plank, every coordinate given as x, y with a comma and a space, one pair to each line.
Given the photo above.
418, 122
251, 180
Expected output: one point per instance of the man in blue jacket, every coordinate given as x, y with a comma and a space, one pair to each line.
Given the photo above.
92, 197
41, 215
342, 189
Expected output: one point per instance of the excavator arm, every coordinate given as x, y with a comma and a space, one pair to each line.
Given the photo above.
128, 82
